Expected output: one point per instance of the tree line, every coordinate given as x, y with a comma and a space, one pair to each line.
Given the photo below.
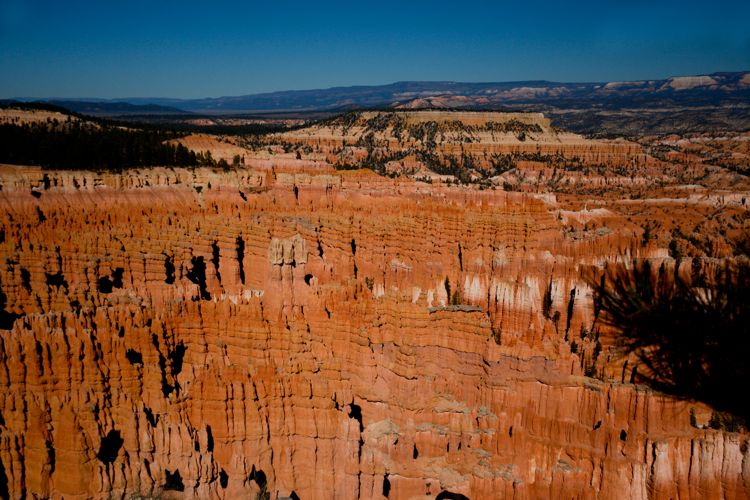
86, 145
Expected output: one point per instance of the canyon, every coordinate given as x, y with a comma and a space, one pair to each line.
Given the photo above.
297, 326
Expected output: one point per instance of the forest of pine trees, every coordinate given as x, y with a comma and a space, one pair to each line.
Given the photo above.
85, 145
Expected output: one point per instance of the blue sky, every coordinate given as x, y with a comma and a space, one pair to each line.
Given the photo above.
191, 49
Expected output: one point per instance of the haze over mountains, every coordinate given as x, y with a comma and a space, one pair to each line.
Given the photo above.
713, 89
685, 104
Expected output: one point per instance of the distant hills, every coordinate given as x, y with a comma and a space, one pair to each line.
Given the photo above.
719, 101
687, 90
716, 88
116, 108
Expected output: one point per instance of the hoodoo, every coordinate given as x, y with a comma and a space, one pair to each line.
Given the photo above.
297, 327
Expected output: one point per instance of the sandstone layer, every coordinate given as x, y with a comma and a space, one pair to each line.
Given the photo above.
441, 135
292, 330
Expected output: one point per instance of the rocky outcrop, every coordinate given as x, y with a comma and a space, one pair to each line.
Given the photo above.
289, 251
355, 336
453, 136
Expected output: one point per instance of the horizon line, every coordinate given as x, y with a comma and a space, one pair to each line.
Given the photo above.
124, 99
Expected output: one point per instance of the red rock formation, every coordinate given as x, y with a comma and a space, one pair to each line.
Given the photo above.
332, 334
479, 135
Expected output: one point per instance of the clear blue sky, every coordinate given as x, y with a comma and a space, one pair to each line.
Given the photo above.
192, 49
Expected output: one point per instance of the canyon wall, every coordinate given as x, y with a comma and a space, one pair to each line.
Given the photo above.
479, 136
319, 335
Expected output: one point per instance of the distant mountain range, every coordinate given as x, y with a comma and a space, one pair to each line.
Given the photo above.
703, 103
115, 108
713, 89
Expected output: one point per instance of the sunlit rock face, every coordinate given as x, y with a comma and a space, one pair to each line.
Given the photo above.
417, 140
325, 334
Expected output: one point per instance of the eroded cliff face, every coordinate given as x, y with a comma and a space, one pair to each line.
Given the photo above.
324, 335
421, 141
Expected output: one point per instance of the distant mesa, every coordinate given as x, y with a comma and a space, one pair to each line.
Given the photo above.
716, 87
117, 108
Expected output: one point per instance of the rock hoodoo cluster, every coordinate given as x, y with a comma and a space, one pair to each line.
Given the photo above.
316, 333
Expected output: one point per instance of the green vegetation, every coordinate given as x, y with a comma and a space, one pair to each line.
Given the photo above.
79, 142
83, 145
